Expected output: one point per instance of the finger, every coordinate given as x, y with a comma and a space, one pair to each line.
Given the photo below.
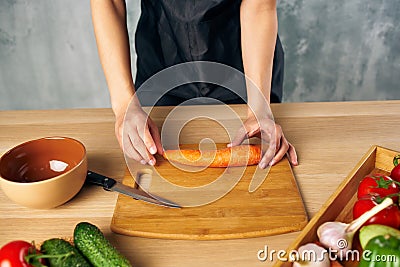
292, 155
278, 136
148, 140
239, 138
272, 144
278, 142
156, 137
144, 143
125, 143
150, 147
281, 151
130, 151
267, 157
129, 142
138, 144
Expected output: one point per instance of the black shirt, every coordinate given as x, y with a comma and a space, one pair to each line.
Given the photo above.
170, 32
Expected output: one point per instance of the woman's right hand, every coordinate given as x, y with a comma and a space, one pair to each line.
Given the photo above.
138, 135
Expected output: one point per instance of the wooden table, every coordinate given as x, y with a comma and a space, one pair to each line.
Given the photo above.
330, 138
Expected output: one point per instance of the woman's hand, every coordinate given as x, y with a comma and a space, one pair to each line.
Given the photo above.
272, 135
138, 135
259, 29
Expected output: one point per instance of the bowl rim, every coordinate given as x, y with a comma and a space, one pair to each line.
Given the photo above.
83, 159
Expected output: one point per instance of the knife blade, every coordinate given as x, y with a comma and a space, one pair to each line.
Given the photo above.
110, 184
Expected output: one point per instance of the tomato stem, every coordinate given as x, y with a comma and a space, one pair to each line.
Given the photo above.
33, 258
397, 183
396, 160
382, 183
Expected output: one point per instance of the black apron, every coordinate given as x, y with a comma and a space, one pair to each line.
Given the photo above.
170, 32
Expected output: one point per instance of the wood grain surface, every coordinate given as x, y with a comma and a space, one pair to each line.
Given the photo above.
330, 138
214, 211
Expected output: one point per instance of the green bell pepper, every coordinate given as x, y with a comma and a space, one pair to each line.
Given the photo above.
382, 251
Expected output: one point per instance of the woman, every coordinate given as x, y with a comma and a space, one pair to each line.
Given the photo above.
240, 34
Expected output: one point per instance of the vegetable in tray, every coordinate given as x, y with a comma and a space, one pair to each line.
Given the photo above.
376, 223
90, 248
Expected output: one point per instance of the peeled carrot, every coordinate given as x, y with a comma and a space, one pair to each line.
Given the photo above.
242, 155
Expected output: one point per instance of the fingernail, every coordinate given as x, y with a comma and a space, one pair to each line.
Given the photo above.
272, 162
263, 165
152, 162
143, 162
153, 150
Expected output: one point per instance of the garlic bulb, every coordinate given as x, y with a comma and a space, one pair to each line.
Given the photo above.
333, 235
312, 255
338, 236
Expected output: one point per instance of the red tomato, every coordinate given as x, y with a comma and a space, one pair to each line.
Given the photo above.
389, 216
395, 174
379, 186
12, 254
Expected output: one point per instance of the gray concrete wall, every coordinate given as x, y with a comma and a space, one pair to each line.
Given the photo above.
335, 50
341, 50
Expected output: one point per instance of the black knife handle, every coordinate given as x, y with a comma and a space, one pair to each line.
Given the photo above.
98, 179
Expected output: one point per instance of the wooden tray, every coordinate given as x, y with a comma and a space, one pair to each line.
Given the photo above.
276, 207
339, 206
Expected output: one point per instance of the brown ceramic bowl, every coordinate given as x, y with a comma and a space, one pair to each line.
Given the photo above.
43, 173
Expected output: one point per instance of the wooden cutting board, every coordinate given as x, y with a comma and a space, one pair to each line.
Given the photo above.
276, 207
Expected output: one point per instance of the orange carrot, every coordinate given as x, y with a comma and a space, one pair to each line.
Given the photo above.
242, 155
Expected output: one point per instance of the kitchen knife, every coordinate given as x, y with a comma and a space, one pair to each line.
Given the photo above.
110, 184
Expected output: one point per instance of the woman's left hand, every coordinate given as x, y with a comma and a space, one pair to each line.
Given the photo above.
272, 135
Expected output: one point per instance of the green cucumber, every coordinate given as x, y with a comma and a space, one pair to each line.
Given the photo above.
370, 231
96, 248
61, 253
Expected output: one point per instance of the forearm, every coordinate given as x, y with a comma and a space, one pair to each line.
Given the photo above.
109, 21
259, 28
